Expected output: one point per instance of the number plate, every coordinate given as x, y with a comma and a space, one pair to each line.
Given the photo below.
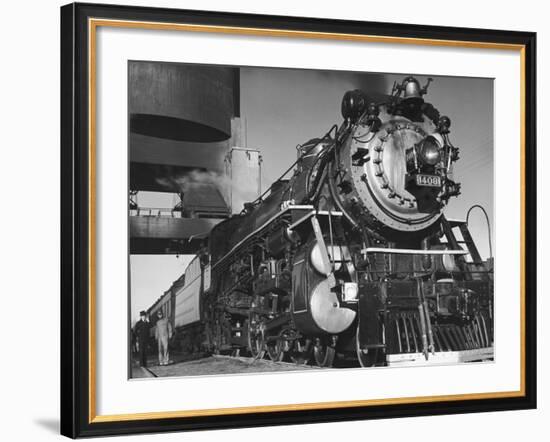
428, 180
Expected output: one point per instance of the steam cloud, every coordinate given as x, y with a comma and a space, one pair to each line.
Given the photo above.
234, 195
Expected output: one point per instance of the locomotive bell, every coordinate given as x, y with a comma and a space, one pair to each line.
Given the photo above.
412, 91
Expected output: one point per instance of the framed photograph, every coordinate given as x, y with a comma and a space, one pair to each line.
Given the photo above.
279, 220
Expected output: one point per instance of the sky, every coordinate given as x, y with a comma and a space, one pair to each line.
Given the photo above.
286, 107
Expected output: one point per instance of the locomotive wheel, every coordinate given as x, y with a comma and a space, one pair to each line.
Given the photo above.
323, 354
256, 341
367, 357
300, 353
222, 335
276, 348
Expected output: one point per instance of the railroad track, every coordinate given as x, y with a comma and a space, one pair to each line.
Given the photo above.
148, 370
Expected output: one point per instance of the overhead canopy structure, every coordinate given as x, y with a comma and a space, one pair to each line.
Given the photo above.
152, 235
180, 126
151, 150
184, 102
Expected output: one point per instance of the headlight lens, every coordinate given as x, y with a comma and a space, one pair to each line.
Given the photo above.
430, 151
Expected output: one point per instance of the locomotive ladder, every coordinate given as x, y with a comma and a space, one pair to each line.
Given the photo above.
467, 240
477, 266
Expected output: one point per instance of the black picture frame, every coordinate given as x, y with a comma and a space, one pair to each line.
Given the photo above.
76, 403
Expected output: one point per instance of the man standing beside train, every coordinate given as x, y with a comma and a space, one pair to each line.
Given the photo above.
141, 330
163, 333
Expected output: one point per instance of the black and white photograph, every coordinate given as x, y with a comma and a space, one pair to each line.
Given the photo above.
296, 219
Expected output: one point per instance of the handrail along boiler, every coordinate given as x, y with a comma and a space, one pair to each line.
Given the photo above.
353, 256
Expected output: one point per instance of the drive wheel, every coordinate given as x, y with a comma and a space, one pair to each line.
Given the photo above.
256, 339
300, 353
276, 348
323, 354
368, 357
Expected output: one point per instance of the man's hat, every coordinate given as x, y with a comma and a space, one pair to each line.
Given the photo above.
142, 313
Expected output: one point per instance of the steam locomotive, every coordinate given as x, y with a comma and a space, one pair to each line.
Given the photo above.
352, 257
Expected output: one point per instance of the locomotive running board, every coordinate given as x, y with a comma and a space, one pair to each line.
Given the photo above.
413, 251
314, 213
440, 357
284, 210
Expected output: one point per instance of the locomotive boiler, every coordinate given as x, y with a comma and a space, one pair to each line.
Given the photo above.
352, 257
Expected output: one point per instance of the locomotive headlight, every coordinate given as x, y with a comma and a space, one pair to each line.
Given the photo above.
430, 151
350, 291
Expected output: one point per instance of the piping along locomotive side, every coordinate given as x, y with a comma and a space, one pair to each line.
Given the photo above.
352, 256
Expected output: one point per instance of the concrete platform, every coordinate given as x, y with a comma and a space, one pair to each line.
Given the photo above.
217, 365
